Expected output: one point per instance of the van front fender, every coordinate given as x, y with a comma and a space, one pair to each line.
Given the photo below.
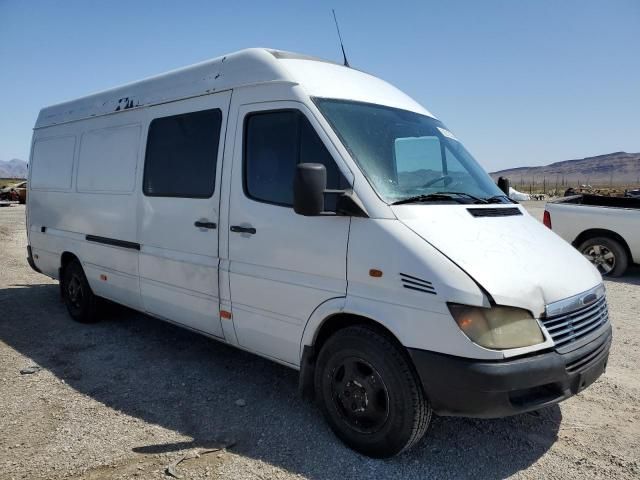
413, 328
327, 309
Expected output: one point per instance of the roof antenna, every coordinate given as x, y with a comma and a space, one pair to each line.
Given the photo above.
344, 55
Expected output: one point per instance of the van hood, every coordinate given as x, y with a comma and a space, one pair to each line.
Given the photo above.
515, 258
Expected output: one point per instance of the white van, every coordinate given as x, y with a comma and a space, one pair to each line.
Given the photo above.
317, 216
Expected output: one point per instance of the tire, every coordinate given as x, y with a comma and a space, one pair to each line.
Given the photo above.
80, 301
368, 392
606, 254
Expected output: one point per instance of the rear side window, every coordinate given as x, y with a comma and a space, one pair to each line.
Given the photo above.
182, 153
52, 163
275, 142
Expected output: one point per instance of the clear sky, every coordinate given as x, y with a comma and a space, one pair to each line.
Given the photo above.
519, 82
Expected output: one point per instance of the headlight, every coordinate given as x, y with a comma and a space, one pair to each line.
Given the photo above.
497, 327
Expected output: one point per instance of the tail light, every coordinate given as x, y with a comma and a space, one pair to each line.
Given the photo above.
546, 219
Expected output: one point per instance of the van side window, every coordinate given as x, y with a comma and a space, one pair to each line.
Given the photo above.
274, 143
182, 153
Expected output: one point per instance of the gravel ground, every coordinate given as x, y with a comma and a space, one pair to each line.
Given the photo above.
130, 396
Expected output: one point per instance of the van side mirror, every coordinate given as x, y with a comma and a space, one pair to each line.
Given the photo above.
309, 184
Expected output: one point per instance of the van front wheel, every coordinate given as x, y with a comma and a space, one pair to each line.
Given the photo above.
369, 393
77, 294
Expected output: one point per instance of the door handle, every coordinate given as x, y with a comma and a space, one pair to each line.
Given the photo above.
239, 229
200, 224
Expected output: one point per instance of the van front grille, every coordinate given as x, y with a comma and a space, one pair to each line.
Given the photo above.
588, 359
570, 327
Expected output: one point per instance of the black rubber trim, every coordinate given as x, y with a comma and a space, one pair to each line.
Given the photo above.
307, 373
113, 242
411, 277
432, 292
465, 387
417, 284
30, 261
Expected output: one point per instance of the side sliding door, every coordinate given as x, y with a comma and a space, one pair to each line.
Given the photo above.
179, 211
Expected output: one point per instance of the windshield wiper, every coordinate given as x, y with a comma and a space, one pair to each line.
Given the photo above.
464, 194
431, 197
498, 198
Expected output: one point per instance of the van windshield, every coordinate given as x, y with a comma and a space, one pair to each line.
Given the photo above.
404, 154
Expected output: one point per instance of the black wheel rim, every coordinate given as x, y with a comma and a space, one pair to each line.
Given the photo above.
74, 292
360, 395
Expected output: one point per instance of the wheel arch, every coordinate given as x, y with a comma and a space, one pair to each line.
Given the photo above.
338, 321
65, 259
320, 331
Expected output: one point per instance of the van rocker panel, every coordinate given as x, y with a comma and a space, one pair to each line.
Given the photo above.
463, 387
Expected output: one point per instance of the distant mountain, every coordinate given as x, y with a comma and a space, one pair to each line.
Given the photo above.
618, 167
13, 168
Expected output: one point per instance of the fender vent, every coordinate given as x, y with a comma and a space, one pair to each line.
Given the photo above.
415, 283
494, 212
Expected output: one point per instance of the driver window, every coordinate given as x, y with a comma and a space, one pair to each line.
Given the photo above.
275, 142
418, 161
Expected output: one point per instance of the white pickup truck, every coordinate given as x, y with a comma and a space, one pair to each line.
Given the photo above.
606, 230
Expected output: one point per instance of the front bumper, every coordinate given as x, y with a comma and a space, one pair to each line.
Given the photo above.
474, 388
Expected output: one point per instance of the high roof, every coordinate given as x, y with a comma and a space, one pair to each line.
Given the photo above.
246, 67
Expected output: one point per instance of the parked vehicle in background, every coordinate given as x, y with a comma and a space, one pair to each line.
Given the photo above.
21, 189
518, 196
606, 230
315, 215
635, 193
15, 193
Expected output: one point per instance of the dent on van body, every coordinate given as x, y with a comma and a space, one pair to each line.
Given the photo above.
516, 259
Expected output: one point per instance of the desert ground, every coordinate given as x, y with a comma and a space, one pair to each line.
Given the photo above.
131, 396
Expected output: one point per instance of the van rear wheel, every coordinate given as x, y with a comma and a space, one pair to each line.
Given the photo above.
76, 292
369, 393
